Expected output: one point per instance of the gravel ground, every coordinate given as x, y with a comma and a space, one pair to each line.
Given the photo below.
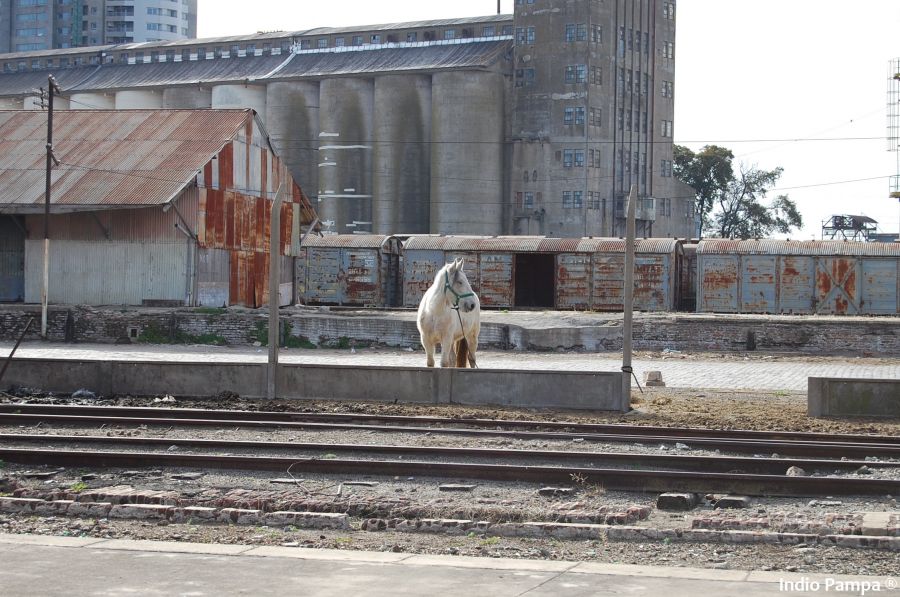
512, 501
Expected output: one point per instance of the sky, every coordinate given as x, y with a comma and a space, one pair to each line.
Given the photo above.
797, 84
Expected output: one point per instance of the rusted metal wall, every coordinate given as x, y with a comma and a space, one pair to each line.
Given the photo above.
419, 269
237, 189
497, 279
807, 277
12, 259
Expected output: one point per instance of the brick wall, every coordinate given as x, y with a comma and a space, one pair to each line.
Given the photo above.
684, 332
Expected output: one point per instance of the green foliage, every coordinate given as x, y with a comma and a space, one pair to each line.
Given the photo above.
734, 203
78, 487
211, 310
292, 341
154, 335
261, 333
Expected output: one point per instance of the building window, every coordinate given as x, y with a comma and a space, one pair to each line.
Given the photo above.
570, 32
574, 115
669, 50
449, 33
669, 11
568, 158
339, 42
596, 75
489, 31
529, 200
593, 200
357, 40
621, 119
666, 128
668, 89
596, 115
412, 37
567, 200
579, 158
525, 77
524, 35
595, 158
596, 34
376, 38
322, 43
507, 30
576, 73
665, 168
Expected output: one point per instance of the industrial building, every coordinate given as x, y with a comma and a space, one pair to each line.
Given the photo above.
148, 207
535, 123
38, 25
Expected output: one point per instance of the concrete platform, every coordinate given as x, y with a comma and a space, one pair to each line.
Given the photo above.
65, 566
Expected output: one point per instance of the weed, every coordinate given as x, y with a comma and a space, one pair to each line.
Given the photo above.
782, 393
260, 334
292, 341
490, 541
2, 464
78, 487
329, 456
211, 310
343, 540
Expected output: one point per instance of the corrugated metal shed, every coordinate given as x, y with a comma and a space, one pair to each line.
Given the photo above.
790, 247
389, 244
109, 159
349, 269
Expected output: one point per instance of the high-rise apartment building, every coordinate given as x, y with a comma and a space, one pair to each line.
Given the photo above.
35, 25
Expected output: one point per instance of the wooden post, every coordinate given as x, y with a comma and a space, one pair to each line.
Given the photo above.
628, 300
274, 285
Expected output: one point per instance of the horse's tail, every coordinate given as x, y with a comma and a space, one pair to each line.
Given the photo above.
462, 353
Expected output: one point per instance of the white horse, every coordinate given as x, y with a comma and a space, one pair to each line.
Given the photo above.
449, 316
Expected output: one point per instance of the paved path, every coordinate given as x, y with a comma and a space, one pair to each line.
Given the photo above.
65, 566
678, 373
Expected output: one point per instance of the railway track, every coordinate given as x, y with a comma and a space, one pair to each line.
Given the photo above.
815, 445
613, 470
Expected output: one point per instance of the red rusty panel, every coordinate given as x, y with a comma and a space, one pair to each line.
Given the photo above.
836, 291
226, 167
263, 173
229, 220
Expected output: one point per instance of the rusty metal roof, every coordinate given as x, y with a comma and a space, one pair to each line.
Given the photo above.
108, 159
537, 244
390, 244
794, 247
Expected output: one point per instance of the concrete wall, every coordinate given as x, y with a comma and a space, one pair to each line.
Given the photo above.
835, 397
533, 389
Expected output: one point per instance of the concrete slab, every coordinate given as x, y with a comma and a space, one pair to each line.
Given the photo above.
660, 572
49, 541
172, 547
162, 569
332, 555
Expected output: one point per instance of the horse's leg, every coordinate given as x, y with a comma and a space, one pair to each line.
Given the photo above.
472, 344
448, 354
462, 352
429, 351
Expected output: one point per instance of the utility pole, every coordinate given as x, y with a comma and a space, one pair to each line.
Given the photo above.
627, 371
274, 284
52, 88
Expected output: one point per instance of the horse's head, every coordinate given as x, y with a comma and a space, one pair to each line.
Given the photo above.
457, 288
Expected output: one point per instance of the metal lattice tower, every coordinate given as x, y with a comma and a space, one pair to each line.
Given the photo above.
893, 120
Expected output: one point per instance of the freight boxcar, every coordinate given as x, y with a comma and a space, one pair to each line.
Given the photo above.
560, 273
349, 269
777, 276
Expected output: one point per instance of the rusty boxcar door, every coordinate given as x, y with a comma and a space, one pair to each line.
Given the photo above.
573, 281
797, 284
473, 272
836, 285
652, 283
718, 289
497, 279
758, 284
879, 287
607, 282
419, 269
323, 275
359, 270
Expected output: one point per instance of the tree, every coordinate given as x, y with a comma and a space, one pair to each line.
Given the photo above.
708, 172
734, 203
742, 214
